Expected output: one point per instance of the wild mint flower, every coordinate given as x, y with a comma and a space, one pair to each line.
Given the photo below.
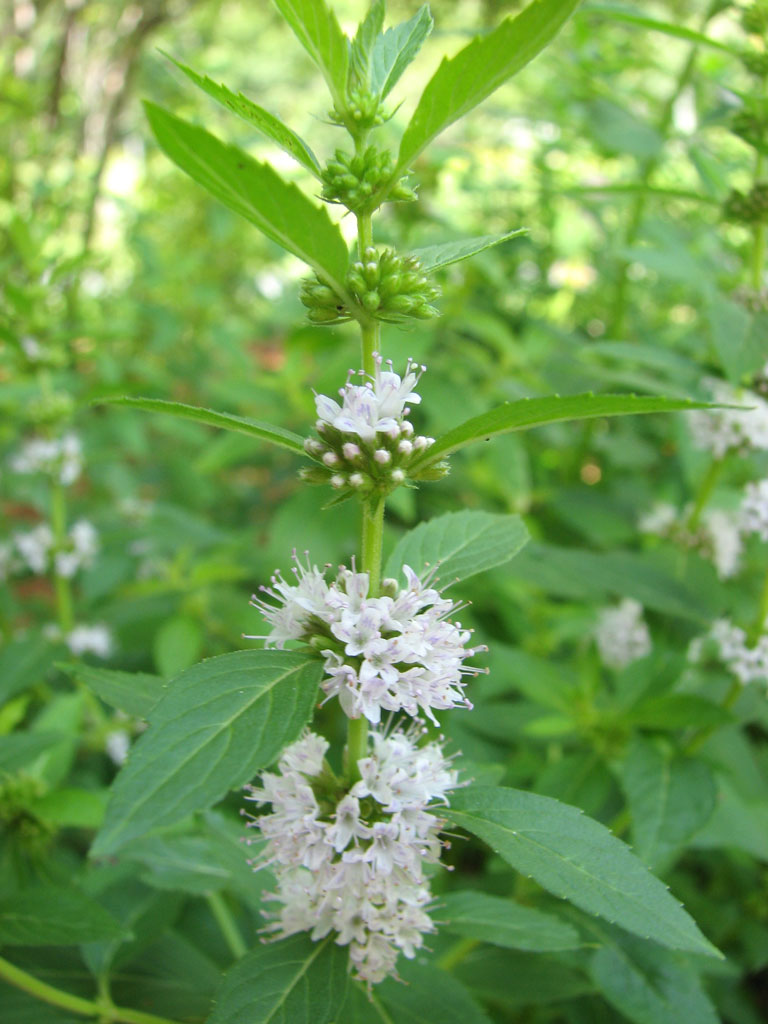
754, 509
95, 638
721, 430
396, 652
365, 443
621, 634
350, 861
34, 547
82, 545
60, 458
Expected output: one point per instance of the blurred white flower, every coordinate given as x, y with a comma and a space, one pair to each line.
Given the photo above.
748, 662
34, 546
719, 430
83, 541
61, 458
754, 509
621, 634
93, 639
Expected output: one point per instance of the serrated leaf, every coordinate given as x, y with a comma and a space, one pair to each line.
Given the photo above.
294, 981
670, 799
54, 916
362, 45
396, 48
256, 116
461, 544
255, 191
428, 995
502, 922
318, 31
578, 859
648, 985
135, 693
463, 81
224, 420
654, 24
215, 725
432, 257
537, 412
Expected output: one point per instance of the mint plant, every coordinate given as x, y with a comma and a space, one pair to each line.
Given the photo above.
349, 810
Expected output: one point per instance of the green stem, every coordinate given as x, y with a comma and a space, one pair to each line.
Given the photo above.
762, 613
457, 953
698, 741
758, 245
227, 924
61, 584
706, 487
66, 1001
647, 169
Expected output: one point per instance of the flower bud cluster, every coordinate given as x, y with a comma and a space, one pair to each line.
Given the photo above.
351, 860
754, 19
358, 181
748, 208
383, 286
756, 62
366, 445
750, 123
363, 111
60, 458
396, 652
720, 430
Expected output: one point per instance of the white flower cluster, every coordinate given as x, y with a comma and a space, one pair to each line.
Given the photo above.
61, 458
718, 534
95, 638
621, 634
35, 546
366, 443
352, 861
754, 509
749, 663
397, 652
719, 430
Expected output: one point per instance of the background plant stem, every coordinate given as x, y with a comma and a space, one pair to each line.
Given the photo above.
75, 1004
64, 613
227, 924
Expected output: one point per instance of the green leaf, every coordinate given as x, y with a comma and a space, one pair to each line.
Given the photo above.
678, 711
730, 327
513, 980
54, 916
461, 544
135, 693
23, 663
575, 572
255, 191
396, 48
72, 807
465, 80
214, 726
648, 985
178, 644
317, 29
428, 995
578, 859
667, 27
257, 116
537, 412
224, 420
503, 922
670, 799
21, 749
435, 256
294, 981
360, 53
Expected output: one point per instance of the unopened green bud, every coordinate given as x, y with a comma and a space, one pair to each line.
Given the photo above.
371, 301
